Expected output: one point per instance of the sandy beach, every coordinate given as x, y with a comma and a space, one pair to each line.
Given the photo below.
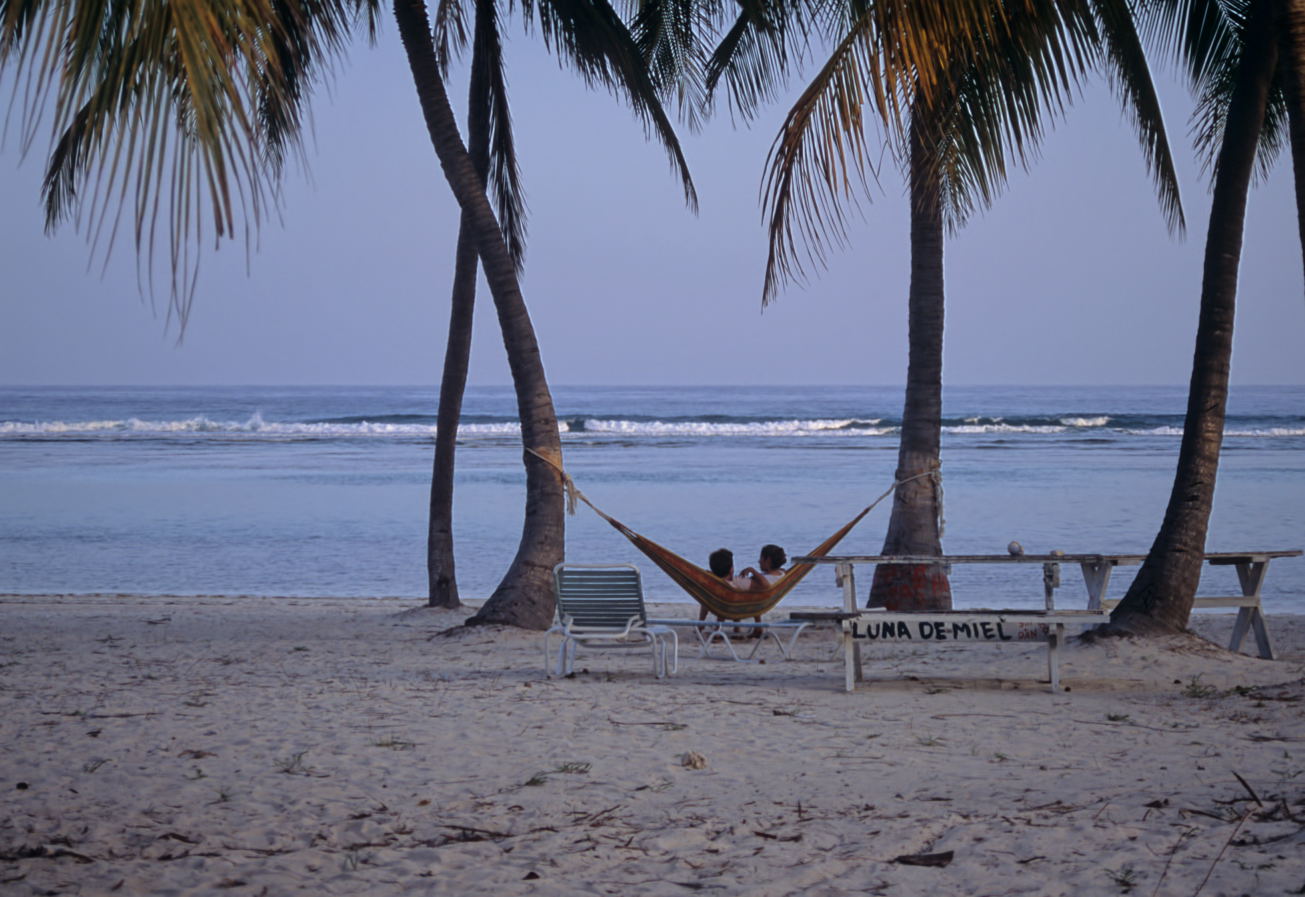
276, 746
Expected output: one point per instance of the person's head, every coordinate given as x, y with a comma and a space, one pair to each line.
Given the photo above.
772, 558
721, 562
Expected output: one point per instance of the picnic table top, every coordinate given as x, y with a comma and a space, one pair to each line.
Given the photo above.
1213, 557
815, 616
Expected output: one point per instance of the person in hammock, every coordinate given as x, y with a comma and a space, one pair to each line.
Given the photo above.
721, 564
771, 561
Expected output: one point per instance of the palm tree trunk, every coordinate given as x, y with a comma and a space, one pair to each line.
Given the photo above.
914, 525
524, 597
1160, 597
1291, 62
440, 566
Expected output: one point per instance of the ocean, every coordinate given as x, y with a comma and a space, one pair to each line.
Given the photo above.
323, 491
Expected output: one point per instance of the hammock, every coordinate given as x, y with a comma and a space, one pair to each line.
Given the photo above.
708, 589
714, 593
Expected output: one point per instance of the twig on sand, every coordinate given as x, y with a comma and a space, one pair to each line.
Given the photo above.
1237, 828
601, 817
1173, 851
925, 859
1249, 790
469, 833
669, 725
1127, 724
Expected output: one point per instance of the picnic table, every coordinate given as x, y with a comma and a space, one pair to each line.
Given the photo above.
1021, 625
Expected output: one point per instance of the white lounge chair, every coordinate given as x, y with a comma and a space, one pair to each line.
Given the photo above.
601, 606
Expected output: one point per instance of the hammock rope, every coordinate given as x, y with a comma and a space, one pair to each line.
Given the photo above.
709, 590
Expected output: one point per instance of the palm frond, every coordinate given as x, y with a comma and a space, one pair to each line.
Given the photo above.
497, 162
1200, 35
1129, 74
984, 94
592, 39
1210, 117
182, 110
758, 50
1217, 63
815, 160
672, 39
449, 29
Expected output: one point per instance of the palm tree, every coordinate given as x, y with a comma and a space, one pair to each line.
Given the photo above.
215, 88
524, 596
1232, 53
594, 40
959, 87
487, 122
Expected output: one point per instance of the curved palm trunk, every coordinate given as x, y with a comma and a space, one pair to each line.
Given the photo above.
913, 527
1291, 62
441, 571
524, 597
1160, 597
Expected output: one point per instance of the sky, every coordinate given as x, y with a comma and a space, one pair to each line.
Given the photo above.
1070, 278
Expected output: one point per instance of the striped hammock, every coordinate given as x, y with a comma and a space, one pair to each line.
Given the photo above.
708, 589
714, 593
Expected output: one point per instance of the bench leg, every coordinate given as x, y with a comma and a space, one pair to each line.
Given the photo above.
851, 661
1096, 576
1252, 618
675, 653
718, 632
1251, 577
852, 671
787, 648
1054, 638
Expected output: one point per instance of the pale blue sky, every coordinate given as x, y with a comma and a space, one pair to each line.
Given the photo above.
1070, 279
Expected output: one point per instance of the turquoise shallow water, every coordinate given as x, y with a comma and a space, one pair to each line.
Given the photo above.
323, 491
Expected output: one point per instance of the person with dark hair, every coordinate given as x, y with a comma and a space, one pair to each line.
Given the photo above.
771, 561
721, 563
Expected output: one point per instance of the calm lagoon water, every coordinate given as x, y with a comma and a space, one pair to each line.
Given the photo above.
323, 491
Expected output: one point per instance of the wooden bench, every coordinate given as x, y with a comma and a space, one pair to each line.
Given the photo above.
1096, 569
859, 627
1022, 626
710, 632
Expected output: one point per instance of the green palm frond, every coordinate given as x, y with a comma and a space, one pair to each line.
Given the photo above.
1210, 117
672, 38
995, 115
1210, 37
183, 110
980, 99
595, 42
758, 50
818, 160
450, 32
1129, 75
489, 97
1201, 35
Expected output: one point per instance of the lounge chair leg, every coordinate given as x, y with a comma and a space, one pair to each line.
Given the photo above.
675, 653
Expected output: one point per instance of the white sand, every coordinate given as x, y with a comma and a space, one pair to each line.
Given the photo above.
280, 746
